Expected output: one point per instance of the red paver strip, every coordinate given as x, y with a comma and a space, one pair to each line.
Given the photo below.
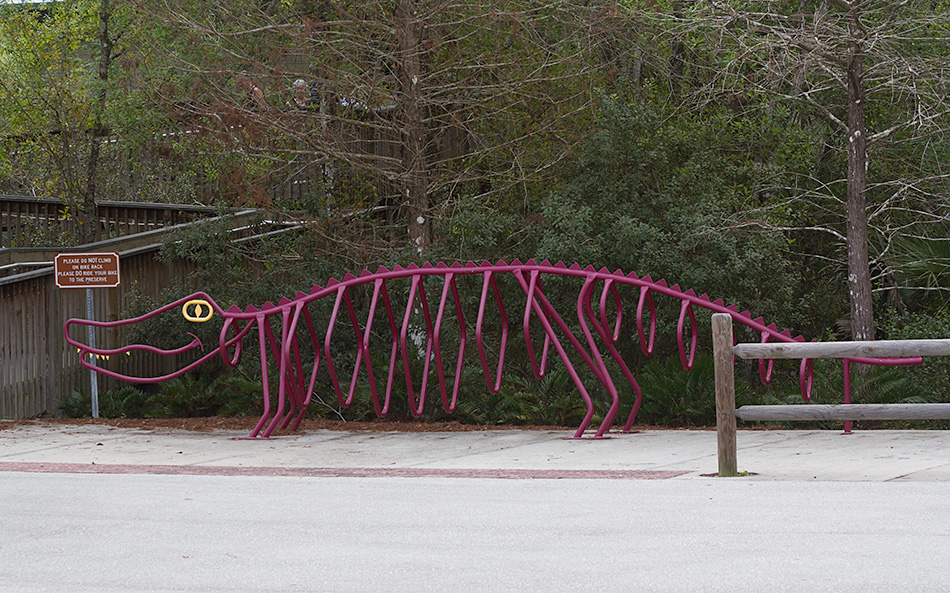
346, 472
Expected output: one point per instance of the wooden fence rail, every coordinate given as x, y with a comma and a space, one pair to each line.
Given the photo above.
28, 221
726, 412
820, 412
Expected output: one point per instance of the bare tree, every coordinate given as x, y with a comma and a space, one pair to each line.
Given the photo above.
53, 101
843, 60
431, 98
106, 42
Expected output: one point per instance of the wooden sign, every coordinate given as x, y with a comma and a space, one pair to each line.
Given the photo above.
87, 270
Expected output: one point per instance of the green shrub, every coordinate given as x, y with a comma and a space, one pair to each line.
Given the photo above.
933, 376
207, 392
552, 400
673, 396
650, 197
126, 401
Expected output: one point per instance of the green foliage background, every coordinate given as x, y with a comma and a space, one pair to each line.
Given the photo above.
625, 154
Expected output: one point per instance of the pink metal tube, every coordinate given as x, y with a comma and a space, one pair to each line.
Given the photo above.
610, 339
302, 389
646, 299
364, 347
312, 332
296, 382
362, 352
394, 351
415, 408
585, 312
542, 306
583, 305
223, 342
847, 391
687, 308
493, 385
609, 343
262, 339
806, 378
331, 369
530, 302
765, 371
282, 354
447, 287
611, 288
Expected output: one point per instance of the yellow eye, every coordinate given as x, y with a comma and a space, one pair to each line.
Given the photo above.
199, 314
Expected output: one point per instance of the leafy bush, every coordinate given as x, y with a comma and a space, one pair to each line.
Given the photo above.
933, 376
208, 392
673, 396
649, 197
552, 400
125, 402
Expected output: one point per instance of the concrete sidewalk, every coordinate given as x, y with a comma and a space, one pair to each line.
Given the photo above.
197, 512
904, 455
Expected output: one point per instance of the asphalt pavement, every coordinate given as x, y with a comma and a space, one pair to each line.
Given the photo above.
95, 508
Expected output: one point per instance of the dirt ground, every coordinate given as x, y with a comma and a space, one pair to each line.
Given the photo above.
247, 423
308, 424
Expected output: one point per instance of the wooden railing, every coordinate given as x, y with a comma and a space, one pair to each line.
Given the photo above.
726, 413
28, 222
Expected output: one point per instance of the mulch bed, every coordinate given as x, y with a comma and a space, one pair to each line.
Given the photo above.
308, 424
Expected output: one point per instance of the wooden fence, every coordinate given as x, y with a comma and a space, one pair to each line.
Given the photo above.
27, 221
36, 369
726, 412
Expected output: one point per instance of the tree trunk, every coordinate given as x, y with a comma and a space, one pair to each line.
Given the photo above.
412, 109
90, 218
859, 273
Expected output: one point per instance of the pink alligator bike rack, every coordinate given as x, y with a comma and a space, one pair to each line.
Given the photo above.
600, 334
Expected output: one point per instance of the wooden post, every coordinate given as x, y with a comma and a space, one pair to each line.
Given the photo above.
725, 393
55, 346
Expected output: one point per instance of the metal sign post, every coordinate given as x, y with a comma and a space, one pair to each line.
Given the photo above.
88, 270
93, 376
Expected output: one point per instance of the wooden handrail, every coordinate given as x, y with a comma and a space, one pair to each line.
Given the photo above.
118, 244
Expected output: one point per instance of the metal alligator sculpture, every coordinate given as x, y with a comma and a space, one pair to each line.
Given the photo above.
600, 333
